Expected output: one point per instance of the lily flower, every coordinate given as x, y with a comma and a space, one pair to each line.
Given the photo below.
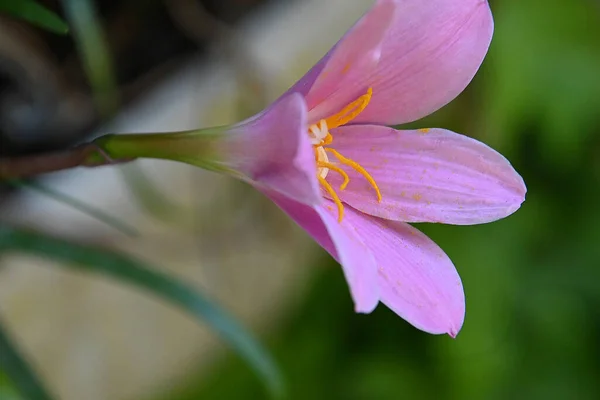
325, 155
402, 61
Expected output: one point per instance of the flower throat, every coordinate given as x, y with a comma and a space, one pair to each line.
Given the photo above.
322, 139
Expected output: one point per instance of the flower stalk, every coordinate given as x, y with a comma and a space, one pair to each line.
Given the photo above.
85, 155
196, 147
193, 147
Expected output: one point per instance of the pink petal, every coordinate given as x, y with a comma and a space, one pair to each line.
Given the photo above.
343, 243
353, 58
431, 52
387, 260
438, 176
416, 278
272, 150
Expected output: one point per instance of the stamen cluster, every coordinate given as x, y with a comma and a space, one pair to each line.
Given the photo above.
321, 139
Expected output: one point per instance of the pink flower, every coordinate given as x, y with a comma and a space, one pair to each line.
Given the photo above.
323, 154
403, 60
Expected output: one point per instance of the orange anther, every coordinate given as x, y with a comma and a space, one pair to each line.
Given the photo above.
358, 168
351, 111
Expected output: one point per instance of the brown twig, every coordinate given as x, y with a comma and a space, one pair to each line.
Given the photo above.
85, 155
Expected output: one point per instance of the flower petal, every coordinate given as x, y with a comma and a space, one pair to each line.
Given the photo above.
354, 57
431, 52
343, 243
438, 176
417, 280
273, 150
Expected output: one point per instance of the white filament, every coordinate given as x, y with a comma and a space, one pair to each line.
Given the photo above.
318, 132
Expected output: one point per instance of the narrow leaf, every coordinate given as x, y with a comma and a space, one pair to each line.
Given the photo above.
18, 370
79, 205
137, 273
34, 13
94, 51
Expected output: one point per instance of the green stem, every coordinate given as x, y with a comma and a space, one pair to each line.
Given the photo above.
197, 147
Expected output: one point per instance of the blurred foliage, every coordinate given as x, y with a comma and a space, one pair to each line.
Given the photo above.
33, 12
151, 199
94, 52
531, 281
97, 61
96, 213
14, 364
129, 270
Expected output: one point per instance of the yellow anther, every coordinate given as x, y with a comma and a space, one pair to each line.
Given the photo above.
334, 197
338, 170
351, 111
358, 168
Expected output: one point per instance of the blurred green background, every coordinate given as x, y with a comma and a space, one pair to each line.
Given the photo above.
532, 281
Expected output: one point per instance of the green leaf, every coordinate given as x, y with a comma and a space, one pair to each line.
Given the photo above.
95, 53
34, 13
93, 212
18, 370
137, 273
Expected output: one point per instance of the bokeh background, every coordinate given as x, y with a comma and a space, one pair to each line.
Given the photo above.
532, 281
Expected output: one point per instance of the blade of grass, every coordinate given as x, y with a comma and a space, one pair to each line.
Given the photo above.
127, 269
34, 13
18, 370
79, 205
95, 54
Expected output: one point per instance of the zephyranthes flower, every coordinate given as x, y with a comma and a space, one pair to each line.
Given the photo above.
324, 154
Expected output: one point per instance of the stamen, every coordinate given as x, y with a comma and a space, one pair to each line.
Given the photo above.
320, 137
334, 196
351, 111
358, 168
338, 170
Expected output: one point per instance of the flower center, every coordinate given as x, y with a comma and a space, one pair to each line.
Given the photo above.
322, 139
